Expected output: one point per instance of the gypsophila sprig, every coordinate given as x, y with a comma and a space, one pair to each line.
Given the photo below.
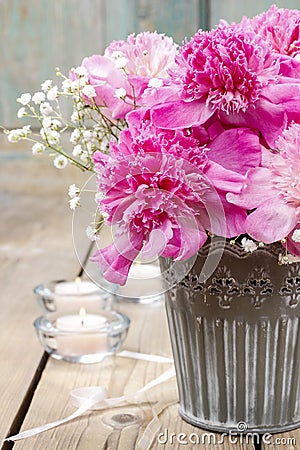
88, 126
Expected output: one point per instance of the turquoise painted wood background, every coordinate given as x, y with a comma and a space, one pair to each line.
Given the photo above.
38, 35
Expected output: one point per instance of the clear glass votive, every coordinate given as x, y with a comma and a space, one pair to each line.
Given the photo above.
87, 338
71, 295
144, 284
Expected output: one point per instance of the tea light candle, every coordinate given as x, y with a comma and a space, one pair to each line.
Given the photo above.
68, 293
81, 340
76, 287
143, 280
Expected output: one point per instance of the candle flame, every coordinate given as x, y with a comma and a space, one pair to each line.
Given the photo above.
82, 313
78, 284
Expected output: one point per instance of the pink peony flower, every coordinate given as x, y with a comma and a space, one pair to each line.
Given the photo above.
130, 65
153, 200
149, 55
163, 192
280, 27
274, 192
232, 75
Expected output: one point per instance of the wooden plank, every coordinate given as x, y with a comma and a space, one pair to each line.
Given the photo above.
120, 19
176, 18
35, 246
234, 10
39, 35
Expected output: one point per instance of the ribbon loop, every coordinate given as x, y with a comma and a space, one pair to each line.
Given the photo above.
96, 397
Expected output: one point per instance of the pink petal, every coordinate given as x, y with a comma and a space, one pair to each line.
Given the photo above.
257, 190
224, 219
223, 179
236, 149
193, 237
271, 222
180, 114
116, 259
156, 244
268, 118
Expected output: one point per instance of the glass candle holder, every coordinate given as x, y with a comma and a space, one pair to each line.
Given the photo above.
144, 284
69, 296
82, 338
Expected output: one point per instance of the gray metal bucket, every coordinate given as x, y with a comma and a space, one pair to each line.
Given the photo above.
236, 341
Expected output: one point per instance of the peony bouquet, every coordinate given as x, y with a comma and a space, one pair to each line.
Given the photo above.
186, 142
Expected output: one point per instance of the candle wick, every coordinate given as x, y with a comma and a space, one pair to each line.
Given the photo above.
82, 323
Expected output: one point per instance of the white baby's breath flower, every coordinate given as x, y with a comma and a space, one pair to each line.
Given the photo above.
121, 62
73, 191
74, 202
47, 121
89, 91
77, 150
50, 135
38, 98
297, 57
24, 99
46, 109
53, 137
56, 124
87, 134
80, 83
26, 130
75, 117
155, 82
120, 93
60, 162
75, 136
248, 245
80, 71
104, 144
38, 148
84, 156
21, 112
296, 236
89, 146
15, 135
91, 233
52, 94
46, 85
67, 85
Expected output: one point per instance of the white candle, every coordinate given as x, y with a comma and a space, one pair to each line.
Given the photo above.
83, 335
70, 295
143, 280
76, 287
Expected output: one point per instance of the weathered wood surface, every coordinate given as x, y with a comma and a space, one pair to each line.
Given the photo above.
35, 246
234, 10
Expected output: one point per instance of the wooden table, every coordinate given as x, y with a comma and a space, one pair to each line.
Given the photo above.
36, 245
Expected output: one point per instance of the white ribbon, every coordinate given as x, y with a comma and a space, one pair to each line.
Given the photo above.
96, 397
145, 357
